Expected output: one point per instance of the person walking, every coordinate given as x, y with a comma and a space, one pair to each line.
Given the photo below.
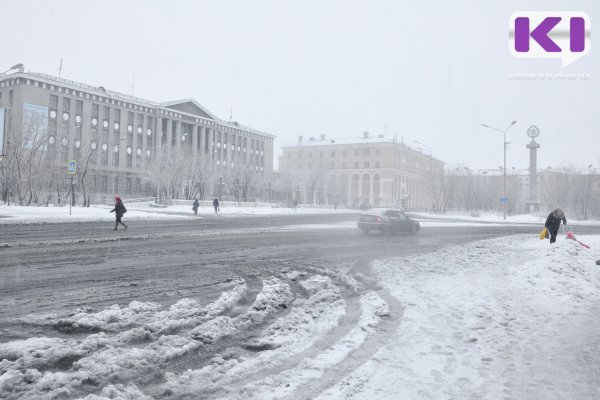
216, 205
553, 223
119, 211
195, 206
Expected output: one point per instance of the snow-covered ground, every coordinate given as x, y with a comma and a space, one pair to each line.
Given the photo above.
506, 318
538, 219
510, 318
138, 212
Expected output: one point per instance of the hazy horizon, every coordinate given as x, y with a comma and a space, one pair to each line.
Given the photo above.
432, 74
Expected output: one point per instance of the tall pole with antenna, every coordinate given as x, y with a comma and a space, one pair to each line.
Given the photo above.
132, 83
60, 68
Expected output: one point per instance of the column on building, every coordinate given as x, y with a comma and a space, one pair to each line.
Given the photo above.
178, 135
155, 152
169, 137
202, 142
211, 144
194, 143
134, 146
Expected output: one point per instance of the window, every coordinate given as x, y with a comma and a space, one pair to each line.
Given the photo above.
10, 97
310, 155
289, 155
377, 151
356, 153
366, 164
332, 153
0, 97
344, 153
95, 110
356, 164
366, 151
66, 104
104, 182
344, 164
321, 154
53, 102
376, 164
78, 107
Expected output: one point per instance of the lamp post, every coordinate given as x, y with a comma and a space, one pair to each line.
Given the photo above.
430, 170
504, 132
269, 191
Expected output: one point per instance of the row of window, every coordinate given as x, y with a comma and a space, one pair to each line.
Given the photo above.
365, 152
107, 100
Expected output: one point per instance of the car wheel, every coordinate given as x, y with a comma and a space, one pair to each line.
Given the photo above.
364, 231
415, 228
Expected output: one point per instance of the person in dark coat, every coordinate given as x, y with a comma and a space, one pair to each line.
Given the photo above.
553, 223
195, 206
119, 210
216, 205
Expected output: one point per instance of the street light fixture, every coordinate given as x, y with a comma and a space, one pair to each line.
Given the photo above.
504, 132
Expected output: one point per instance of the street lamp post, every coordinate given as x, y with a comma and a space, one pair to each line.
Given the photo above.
504, 132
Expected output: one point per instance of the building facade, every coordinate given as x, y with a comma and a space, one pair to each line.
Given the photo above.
368, 171
128, 144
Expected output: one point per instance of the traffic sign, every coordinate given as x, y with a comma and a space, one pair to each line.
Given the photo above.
72, 168
503, 199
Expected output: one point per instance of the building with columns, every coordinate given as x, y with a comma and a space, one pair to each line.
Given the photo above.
126, 141
373, 171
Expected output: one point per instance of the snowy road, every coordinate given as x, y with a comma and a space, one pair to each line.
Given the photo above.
213, 308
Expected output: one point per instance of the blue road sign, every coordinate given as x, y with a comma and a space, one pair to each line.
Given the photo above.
72, 170
503, 199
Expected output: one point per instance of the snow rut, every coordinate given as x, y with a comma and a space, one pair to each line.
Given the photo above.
243, 345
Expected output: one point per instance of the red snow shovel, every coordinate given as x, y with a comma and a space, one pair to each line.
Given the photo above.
570, 235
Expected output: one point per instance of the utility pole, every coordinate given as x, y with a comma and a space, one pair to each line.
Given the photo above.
60, 68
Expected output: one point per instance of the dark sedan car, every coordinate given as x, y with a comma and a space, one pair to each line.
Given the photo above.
387, 221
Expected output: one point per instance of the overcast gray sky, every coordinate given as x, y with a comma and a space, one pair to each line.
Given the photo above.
428, 71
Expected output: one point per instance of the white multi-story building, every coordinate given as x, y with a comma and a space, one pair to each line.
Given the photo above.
372, 171
119, 136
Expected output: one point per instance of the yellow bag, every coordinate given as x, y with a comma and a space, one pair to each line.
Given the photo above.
543, 233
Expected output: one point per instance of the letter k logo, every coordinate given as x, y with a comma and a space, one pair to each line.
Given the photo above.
539, 34
549, 34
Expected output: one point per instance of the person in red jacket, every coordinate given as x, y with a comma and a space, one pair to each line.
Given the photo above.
119, 210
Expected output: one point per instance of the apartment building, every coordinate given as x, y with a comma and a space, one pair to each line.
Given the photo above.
374, 171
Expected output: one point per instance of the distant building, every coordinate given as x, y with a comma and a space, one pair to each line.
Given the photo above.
367, 171
124, 136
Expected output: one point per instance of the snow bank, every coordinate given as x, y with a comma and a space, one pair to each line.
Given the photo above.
505, 318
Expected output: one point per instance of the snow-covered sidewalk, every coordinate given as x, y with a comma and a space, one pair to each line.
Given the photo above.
509, 318
139, 212
493, 218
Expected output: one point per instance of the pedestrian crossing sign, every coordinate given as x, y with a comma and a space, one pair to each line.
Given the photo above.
72, 170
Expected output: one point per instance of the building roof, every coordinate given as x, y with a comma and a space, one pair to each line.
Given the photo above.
379, 139
189, 107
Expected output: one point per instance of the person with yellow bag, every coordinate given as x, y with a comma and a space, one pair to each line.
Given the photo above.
552, 224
